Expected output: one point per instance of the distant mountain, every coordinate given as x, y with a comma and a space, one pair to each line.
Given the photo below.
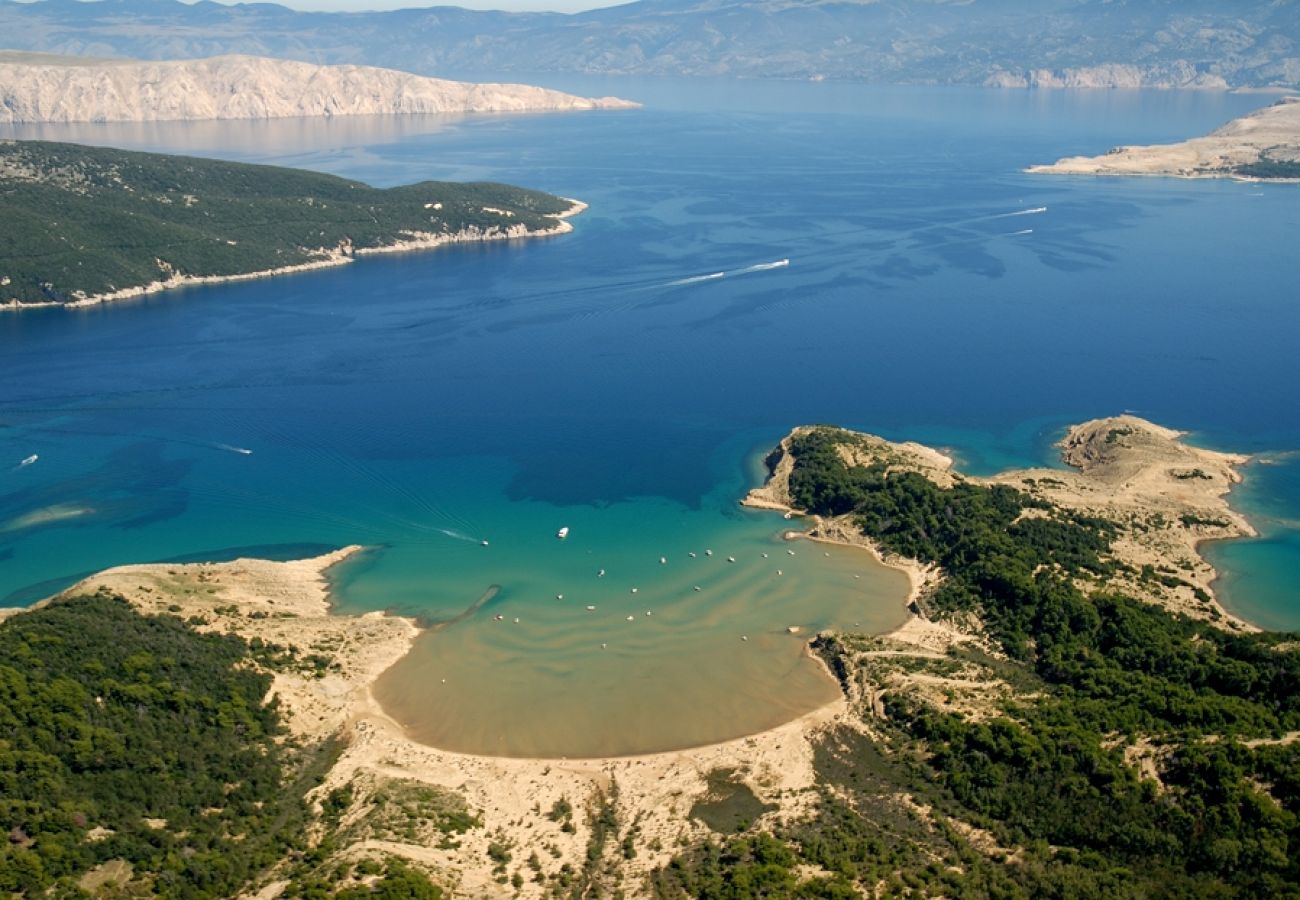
1102, 43
45, 88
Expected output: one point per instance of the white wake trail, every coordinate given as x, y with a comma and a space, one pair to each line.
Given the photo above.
695, 279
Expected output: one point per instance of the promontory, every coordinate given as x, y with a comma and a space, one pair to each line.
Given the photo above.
1262, 145
90, 224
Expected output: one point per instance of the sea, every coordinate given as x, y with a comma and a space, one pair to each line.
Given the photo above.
756, 256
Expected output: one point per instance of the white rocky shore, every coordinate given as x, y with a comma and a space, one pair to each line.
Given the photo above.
1269, 134
44, 88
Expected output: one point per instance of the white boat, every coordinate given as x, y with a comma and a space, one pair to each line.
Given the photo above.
562, 533
29, 460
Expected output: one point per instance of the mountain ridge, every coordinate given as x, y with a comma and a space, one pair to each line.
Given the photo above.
1007, 43
46, 88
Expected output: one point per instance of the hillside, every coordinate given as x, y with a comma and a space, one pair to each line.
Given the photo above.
85, 224
1013, 43
44, 88
1262, 145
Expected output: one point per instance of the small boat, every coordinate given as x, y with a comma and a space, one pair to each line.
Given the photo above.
663, 560
697, 587
779, 572
634, 590
692, 554
791, 552
562, 533
600, 574
499, 617
764, 556
649, 612
559, 596
708, 552
29, 460
483, 543
744, 637
591, 609
631, 618
731, 559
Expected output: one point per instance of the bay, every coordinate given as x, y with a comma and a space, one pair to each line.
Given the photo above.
612, 381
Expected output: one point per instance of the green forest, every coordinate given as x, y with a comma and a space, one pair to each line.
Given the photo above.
135, 739
1047, 776
91, 220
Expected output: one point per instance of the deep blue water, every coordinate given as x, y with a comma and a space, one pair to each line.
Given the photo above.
472, 389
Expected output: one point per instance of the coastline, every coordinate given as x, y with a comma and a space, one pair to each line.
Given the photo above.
328, 258
327, 690
290, 604
1266, 136
1124, 469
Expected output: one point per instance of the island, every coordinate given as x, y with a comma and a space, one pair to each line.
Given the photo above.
42, 87
1068, 711
1264, 145
87, 225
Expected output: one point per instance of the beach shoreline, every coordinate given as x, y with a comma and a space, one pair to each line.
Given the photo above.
292, 604
1118, 464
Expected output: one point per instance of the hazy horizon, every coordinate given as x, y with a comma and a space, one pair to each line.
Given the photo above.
560, 6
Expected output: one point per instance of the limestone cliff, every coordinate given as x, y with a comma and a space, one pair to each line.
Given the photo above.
43, 88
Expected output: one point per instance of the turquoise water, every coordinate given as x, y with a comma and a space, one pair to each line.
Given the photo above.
424, 403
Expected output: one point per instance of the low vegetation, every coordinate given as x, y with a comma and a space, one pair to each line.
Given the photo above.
135, 741
1050, 786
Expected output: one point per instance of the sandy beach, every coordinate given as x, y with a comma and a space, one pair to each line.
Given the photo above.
288, 604
1123, 468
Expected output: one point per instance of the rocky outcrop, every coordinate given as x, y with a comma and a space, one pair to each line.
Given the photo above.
1264, 144
68, 89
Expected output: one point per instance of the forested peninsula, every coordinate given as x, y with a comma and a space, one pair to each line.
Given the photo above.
90, 224
1068, 712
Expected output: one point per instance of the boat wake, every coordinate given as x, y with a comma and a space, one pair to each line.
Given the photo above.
763, 267
695, 279
713, 276
452, 533
1021, 212
233, 449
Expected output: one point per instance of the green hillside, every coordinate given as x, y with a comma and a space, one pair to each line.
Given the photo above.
81, 221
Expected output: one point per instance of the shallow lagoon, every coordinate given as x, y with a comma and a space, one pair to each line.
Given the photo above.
424, 403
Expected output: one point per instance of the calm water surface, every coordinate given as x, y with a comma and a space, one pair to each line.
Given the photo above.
424, 403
